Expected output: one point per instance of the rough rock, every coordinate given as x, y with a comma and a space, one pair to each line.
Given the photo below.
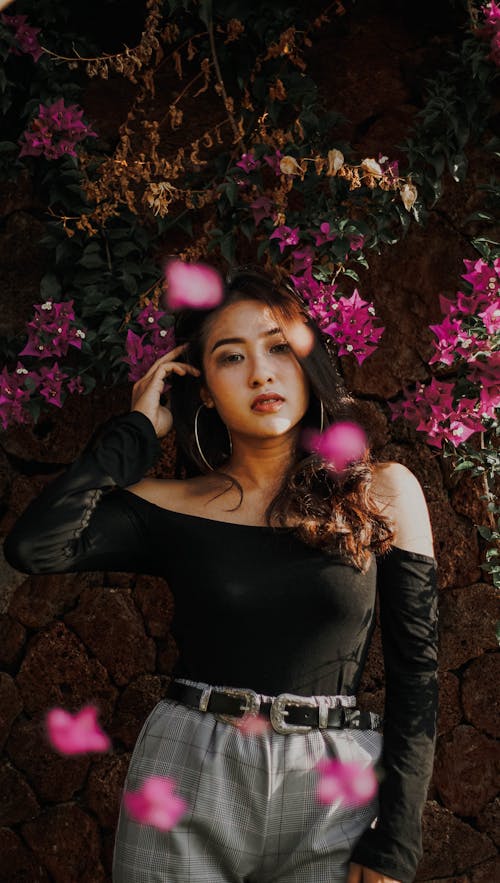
66, 841
488, 820
466, 770
465, 499
12, 640
10, 706
133, 707
155, 601
449, 710
372, 701
373, 673
22, 259
168, 653
450, 845
486, 872
375, 423
111, 627
18, 864
53, 776
467, 619
40, 599
481, 693
58, 671
104, 787
17, 801
69, 435
448, 529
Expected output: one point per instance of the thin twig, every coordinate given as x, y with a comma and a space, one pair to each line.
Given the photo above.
237, 136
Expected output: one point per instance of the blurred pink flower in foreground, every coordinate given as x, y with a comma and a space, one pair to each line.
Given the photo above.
339, 445
254, 725
76, 733
351, 783
155, 803
195, 286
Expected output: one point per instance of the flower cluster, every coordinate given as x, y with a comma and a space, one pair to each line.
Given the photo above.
55, 131
24, 35
51, 331
469, 337
144, 349
12, 396
348, 320
491, 30
50, 334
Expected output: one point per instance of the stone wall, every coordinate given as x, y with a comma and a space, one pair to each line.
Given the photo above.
73, 639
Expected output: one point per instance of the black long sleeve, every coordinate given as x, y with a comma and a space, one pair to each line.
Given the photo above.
81, 520
406, 583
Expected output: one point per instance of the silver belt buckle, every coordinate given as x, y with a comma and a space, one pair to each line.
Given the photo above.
250, 707
278, 712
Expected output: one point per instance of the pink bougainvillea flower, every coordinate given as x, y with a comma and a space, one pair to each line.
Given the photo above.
51, 379
285, 236
194, 286
356, 242
274, 161
75, 733
447, 333
349, 782
482, 277
339, 445
261, 208
25, 35
12, 395
76, 385
254, 725
324, 235
55, 131
155, 803
491, 317
302, 258
390, 169
352, 327
492, 14
248, 163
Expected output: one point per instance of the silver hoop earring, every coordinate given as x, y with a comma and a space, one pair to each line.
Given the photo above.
322, 415
202, 455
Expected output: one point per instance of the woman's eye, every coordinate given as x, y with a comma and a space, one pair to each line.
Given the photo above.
283, 347
230, 357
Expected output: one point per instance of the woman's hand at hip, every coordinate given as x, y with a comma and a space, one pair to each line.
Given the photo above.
361, 874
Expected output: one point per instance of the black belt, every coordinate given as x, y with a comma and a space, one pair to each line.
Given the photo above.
301, 712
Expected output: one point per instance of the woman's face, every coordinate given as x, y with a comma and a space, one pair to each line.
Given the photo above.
246, 355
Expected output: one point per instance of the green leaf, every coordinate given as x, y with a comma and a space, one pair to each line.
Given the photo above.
50, 287
227, 247
91, 261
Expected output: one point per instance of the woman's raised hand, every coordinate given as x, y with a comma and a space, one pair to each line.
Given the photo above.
147, 390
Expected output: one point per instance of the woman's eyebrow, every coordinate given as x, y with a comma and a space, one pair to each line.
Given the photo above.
224, 340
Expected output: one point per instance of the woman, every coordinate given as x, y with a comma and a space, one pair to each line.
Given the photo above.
274, 562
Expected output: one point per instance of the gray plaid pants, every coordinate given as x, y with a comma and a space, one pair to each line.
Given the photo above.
253, 816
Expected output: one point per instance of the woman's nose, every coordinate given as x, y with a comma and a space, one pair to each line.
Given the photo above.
260, 371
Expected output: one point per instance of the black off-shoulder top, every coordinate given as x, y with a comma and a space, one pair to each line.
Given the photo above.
256, 607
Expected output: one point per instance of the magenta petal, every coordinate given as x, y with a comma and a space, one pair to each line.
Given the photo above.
192, 286
349, 782
155, 803
75, 734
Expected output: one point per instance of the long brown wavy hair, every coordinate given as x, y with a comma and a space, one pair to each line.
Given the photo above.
334, 513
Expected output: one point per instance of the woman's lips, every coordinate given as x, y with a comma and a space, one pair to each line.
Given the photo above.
268, 407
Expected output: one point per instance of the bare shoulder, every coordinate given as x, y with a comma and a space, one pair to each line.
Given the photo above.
402, 500
164, 492
186, 494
